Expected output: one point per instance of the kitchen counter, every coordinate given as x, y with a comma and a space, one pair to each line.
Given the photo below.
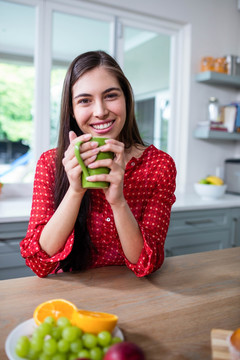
170, 313
191, 201
14, 209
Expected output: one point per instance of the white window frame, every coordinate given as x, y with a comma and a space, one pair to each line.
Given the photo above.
44, 66
179, 82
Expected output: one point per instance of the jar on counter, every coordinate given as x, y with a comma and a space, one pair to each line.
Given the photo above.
220, 65
207, 63
213, 109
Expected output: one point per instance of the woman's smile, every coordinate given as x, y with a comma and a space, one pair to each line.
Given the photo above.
103, 126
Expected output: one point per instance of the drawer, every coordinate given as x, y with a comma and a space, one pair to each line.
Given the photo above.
188, 222
10, 246
15, 230
16, 272
11, 259
14, 226
199, 242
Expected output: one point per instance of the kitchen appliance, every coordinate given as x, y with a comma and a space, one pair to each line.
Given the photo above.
232, 175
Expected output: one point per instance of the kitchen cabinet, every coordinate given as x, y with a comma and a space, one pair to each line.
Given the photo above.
190, 231
218, 79
12, 265
202, 230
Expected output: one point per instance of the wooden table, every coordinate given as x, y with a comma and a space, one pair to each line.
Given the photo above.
169, 314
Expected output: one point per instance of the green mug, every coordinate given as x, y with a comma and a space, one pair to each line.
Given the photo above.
88, 172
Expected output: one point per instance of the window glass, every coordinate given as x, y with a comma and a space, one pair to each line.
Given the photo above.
72, 35
147, 66
17, 35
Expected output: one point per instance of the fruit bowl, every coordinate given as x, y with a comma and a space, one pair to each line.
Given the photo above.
208, 191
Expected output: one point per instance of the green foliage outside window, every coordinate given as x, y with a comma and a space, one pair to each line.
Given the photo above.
16, 101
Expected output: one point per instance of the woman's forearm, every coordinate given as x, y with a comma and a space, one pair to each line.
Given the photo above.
61, 224
129, 232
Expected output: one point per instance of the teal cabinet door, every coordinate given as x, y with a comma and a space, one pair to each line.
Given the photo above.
12, 265
198, 231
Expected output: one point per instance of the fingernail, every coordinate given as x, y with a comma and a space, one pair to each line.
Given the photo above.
87, 136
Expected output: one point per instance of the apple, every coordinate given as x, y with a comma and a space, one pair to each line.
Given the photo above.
124, 351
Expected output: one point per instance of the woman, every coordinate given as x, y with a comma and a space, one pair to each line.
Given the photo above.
72, 228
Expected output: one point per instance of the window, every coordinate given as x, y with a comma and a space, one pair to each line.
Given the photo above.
16, 91
82, 31
147, 66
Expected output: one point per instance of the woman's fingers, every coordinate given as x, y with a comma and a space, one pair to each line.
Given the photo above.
113, 178
115, 146
72, 135
87, 148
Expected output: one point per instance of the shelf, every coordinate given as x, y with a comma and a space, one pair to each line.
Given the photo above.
205, 133
214, 78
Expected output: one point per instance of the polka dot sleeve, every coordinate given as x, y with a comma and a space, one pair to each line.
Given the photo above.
155, 219
42, 210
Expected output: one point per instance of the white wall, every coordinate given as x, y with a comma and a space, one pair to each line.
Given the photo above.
215, 26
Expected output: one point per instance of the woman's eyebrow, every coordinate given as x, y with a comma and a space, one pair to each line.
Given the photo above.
104, 92
111, 89
82, 95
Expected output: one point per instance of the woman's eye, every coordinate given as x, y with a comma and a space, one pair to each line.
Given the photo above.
83, 101
111, 96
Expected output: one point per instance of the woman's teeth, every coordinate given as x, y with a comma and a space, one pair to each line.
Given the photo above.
102, 126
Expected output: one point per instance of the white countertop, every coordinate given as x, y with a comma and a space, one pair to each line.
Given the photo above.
15, 209
192, 201
18, 208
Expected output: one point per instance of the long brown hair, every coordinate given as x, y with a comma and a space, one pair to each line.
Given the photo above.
80, 256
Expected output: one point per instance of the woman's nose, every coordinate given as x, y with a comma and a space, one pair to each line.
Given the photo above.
100, 109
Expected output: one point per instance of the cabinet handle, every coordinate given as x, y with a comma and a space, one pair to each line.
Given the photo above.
198, 222
234, 238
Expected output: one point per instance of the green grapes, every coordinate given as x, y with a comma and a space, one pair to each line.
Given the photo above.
89, 340
23, 346
59, 340
104, 338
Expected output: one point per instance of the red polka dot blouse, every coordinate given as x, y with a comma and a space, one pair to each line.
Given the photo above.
149, 185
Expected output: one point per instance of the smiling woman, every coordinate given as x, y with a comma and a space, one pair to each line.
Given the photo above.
74, 228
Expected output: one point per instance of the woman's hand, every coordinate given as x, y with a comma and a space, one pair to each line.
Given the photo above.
88, 152
114, 194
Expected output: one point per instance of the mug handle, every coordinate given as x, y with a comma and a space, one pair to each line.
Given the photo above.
81, 163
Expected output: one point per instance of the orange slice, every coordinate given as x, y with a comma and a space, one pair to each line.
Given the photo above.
93, 321
55, 308
235, 339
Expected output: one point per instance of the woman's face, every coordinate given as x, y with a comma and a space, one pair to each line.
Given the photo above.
99, 105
